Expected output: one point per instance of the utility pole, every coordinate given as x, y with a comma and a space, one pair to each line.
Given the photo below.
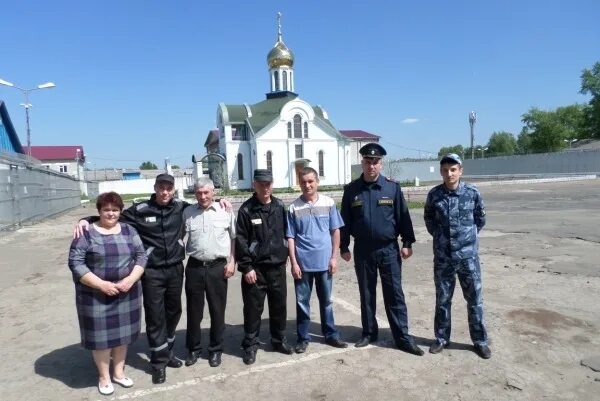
472, 120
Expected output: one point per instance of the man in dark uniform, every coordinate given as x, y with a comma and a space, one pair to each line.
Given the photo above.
261, 253
375, 214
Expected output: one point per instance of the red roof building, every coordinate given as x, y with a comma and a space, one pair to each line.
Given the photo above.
359, 138
67, 159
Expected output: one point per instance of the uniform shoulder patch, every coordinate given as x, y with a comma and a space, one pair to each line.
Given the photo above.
391, 180
141, 206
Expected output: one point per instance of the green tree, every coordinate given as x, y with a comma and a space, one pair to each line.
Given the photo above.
590, 84
549, 130
175, 167
148, 166
502, 143
458, 149
524, 142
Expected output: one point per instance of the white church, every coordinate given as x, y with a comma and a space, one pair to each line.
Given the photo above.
283, 133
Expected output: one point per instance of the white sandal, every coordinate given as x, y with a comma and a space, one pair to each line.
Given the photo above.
107, 389
123, 382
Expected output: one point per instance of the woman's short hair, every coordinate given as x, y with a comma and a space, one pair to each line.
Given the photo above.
112, 198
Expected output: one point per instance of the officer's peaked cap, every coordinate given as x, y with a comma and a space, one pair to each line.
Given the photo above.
372, 150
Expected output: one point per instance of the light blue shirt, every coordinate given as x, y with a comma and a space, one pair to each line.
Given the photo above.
310, 224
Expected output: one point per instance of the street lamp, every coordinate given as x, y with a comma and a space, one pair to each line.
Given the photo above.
28, 105
483, 150
570, 141
77, 159
472, 120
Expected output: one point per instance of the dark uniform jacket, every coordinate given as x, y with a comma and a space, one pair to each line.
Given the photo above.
260, 234
160, 228
454, 219
375, 214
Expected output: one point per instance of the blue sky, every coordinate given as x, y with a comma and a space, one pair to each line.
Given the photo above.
140, 80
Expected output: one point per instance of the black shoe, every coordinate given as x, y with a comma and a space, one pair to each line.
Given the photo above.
159, 375
437, 347
174, 363
300, 348
411, 348
284, 348
214, 359
249, 355
364, 341
192, 358
335, 342
483, 351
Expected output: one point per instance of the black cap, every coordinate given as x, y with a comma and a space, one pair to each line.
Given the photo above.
164, 177
374, 150
263, 175
451, 158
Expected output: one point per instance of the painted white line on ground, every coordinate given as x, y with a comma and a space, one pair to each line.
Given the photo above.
258, 368
383, 324
254, 369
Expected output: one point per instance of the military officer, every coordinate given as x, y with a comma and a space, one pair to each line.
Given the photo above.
454, 215
375, 214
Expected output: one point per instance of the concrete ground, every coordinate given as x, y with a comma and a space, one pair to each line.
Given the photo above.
539, 254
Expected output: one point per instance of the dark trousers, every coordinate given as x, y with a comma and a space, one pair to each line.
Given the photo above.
205, 278
469, 277
270, 282
387, 261
162, 308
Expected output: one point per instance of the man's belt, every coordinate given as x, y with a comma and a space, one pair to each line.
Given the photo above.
205, 263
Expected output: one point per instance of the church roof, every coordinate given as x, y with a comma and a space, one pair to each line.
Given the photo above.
263, 113
268, 110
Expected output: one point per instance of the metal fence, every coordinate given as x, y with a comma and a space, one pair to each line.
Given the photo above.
538, 165
30, 192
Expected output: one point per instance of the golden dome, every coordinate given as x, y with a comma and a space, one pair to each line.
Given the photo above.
280, 56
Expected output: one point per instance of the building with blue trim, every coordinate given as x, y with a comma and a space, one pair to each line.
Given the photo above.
9, 141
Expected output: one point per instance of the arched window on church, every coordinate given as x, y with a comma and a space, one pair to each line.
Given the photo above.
285, 81
270, 161
289, 129
305, 129
297, 126
240, 166
321, 164
276, 77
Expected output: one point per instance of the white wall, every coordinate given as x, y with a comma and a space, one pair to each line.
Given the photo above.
71, 167
141, 186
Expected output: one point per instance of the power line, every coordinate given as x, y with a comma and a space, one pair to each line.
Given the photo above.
406, 147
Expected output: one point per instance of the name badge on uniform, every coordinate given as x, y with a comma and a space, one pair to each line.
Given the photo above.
357, 203
385, 201
151, 219
256, 221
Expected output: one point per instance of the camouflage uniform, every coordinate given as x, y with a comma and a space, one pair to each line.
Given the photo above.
454, 219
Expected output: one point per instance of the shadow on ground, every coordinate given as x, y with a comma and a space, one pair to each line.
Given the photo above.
74, 366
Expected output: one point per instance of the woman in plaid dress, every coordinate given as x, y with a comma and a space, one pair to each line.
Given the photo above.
107, 262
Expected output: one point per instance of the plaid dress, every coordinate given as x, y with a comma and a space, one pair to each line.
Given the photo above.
107, 321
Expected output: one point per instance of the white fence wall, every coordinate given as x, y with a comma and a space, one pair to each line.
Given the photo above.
140, 186
30, 192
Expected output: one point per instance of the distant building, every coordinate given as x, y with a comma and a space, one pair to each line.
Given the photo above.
283, 133
359, 138
9, 141
64, 159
